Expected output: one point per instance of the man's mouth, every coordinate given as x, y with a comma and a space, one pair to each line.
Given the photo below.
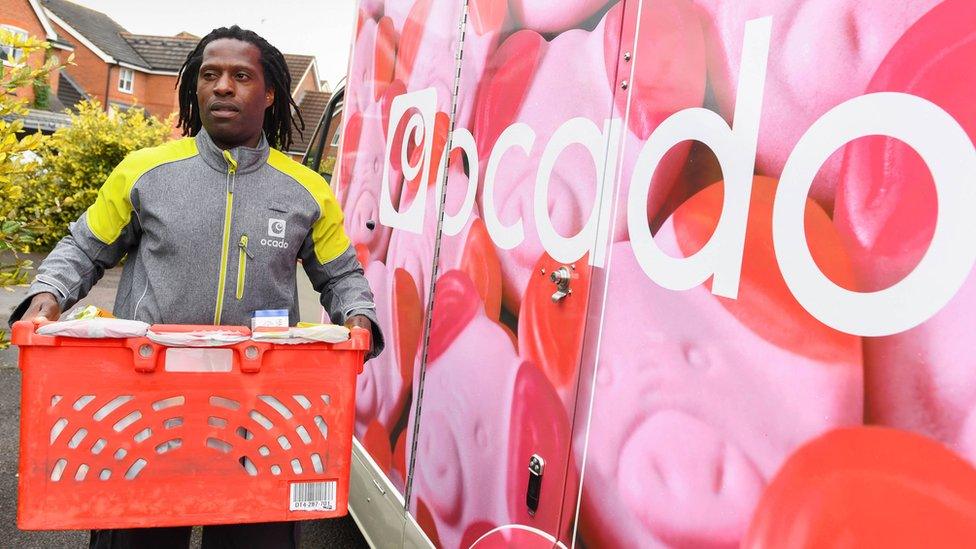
224, 110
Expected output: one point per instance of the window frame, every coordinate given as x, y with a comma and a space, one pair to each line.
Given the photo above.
123, 71
337, 136
317, 145
14, 55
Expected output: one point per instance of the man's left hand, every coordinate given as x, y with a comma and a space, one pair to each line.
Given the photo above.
359, 321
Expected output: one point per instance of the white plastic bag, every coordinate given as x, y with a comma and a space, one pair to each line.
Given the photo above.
90, 328
216, 338
325, 333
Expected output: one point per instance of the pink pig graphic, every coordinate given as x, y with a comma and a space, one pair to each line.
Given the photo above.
698, 405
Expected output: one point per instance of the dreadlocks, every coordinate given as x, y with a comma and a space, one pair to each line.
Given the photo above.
278, 119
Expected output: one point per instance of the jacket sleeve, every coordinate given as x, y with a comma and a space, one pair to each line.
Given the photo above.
334, 270
96, 242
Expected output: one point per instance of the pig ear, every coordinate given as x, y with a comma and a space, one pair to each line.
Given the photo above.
881, 478
377, 442
538, 424
456, 303
503, 88
551, 334
350, 147
408, 317
480, 262
384, 57
669, 63
765, 304
488, 15
411, 38
886, 203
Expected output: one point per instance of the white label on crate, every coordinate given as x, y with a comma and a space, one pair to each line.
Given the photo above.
312, 496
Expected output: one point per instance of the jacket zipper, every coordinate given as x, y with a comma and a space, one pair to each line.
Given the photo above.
225, 245
244, 255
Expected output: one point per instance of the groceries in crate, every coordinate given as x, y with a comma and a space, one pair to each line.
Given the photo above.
303, 333
269, 318
115, 434
197, 338
90, 322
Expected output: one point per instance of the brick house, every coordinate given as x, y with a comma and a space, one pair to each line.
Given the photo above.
122, 69
27, 18
114, 66
310, 96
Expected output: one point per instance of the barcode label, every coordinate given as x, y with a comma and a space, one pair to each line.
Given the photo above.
312, 496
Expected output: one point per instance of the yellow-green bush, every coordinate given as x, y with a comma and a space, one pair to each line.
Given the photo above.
77, 159
15, 234
15, 149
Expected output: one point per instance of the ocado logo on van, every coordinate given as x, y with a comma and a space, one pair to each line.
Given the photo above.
937, 138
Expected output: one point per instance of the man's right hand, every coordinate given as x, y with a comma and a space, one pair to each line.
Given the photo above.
43, 306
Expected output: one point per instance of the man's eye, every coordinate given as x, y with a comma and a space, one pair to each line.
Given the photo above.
243, 76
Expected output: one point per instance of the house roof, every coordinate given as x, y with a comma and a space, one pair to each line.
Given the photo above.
297, 67
44, 121
166, 53
100, 29
50, 34
69, 92
312, 108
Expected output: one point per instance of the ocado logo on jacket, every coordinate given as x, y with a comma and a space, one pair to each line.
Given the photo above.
276, 229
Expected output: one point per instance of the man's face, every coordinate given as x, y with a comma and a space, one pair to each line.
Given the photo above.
231, 93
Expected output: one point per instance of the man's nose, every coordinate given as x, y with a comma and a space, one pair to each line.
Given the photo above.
224, 85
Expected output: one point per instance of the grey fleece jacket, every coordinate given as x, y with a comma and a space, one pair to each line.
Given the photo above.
211, 236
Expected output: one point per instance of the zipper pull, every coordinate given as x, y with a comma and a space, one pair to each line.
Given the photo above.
243, 246
231, 171
231, 163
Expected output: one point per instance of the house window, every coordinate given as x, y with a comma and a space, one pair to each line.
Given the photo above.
126, 77
336, 119
8, 53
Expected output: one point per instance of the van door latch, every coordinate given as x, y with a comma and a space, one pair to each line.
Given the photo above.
536, 467
561, 278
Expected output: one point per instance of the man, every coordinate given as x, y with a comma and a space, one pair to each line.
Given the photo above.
213, 226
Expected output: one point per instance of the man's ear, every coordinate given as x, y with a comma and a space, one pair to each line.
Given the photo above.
269, 97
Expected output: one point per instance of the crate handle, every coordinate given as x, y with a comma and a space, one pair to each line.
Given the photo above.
249, 355
146, 355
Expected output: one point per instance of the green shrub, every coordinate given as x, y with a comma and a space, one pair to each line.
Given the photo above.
77, 160
42, 95
15, 165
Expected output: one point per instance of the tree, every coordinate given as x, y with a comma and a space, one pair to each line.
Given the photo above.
78, 158
15, 158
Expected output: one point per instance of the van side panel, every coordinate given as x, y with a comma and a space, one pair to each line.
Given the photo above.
779, 354
706, 265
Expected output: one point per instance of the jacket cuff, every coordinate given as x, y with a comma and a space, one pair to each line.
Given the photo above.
377, 342
37, 287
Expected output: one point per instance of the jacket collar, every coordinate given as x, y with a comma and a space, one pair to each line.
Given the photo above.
248, 159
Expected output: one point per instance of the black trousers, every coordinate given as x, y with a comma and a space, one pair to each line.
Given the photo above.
270, 535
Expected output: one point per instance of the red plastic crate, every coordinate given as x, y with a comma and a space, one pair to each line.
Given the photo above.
110, 439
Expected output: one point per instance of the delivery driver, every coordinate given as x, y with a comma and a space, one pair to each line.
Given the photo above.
213, 226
